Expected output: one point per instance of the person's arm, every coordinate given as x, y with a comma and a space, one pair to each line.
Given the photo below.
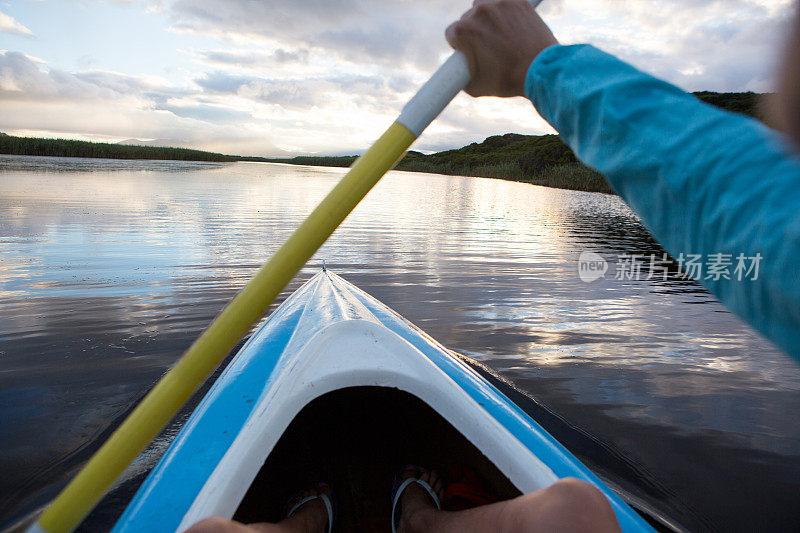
704, 181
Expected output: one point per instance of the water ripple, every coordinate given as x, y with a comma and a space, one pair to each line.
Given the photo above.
111, 268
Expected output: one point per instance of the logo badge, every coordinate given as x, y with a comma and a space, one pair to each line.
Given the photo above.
591, 267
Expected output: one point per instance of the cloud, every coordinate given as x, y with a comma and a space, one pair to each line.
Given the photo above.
110, 105
206, 113
394, 33
722, 45
321, 76
376, 93
9, 25
222, 82
118, 82
22, 79
708, 44
249, 58
388, 52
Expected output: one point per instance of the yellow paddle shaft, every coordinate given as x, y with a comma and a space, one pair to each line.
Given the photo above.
177, 385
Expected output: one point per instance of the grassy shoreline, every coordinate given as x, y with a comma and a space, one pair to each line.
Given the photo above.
573, 176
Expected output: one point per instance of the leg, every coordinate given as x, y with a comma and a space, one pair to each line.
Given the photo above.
311, 517
567, 506
217, 524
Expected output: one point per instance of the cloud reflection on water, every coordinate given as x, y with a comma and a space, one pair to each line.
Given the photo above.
108, 275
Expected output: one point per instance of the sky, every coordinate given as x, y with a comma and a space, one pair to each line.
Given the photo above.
287, 77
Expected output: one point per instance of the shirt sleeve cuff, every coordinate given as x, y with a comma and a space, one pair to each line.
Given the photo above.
545, 57
547, 65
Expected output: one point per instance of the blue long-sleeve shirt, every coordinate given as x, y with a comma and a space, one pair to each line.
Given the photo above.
704, 181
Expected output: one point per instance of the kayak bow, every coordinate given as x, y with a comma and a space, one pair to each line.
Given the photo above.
336, 384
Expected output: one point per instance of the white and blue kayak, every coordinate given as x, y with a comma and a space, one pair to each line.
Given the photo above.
337, 387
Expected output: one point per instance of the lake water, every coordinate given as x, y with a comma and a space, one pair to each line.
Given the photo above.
109, 269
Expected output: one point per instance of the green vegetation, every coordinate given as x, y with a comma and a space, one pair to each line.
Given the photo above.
68, 148
745, 103
314, 161
537, 159
541, 160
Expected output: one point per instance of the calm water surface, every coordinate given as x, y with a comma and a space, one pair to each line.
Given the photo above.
109, 269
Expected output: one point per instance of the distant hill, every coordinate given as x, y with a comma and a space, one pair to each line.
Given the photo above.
745, 103
537, 159
154, 142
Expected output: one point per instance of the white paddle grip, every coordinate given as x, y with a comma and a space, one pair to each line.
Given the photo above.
437, 92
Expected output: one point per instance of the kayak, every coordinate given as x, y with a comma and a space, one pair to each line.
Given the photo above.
337, 387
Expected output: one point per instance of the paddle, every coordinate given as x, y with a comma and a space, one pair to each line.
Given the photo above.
180, 382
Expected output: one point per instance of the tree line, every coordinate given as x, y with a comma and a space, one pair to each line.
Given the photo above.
10, 144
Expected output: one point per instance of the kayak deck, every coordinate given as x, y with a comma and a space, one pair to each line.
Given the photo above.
337, 387
357, 439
